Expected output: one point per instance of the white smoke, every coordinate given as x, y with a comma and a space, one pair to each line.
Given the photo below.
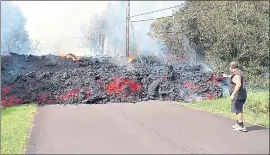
146, 43
57, 24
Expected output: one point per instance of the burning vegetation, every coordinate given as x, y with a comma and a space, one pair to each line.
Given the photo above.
72, 80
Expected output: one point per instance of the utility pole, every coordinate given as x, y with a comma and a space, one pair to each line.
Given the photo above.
127, 28
236, 16
236, 11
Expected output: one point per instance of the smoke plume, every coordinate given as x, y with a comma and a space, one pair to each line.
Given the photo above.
58, 25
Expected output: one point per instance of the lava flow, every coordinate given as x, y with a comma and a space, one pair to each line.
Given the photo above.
57, 80
72, 56
130, 58
8, 101
118, 84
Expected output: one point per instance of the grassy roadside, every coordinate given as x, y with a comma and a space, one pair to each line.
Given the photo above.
15, 124
256, 109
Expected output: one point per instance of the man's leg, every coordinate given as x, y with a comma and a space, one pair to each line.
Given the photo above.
239, 114
234, 110
235, 125
239, 117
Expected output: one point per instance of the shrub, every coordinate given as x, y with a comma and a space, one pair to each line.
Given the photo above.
258, 102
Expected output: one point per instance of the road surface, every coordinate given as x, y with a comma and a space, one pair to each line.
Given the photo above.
147, 127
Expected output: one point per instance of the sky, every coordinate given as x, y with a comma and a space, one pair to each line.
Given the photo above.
142, 28
56, 24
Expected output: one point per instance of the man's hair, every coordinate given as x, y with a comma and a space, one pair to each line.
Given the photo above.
234, 64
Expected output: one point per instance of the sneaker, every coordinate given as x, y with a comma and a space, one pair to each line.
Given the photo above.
238, 128
234, 126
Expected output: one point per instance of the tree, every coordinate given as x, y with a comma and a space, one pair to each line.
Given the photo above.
14, 36
222, 32
110, 26
36, 47
95, 33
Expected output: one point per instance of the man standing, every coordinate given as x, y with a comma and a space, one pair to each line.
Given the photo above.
238, 94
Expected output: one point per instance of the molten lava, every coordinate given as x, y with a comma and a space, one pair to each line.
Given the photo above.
61, 54
8, 101
187, 84
74, 94
72, 56
117, 86
130, 58
5, 90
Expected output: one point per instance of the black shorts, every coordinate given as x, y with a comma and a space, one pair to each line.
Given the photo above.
237, 105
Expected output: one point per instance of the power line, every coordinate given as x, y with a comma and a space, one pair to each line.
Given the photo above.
183, 13
150, 19
155, 11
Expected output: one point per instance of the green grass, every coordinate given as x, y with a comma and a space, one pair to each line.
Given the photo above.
256, 108
15, 124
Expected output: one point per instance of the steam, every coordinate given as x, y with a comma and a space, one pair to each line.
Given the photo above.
58, 25
146, 43
225, 90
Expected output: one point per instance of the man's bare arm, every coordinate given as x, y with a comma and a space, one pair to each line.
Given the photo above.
237, 80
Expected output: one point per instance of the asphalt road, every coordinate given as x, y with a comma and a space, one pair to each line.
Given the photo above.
147, 127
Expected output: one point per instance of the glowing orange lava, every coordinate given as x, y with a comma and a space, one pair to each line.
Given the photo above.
72, 56
130, 58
